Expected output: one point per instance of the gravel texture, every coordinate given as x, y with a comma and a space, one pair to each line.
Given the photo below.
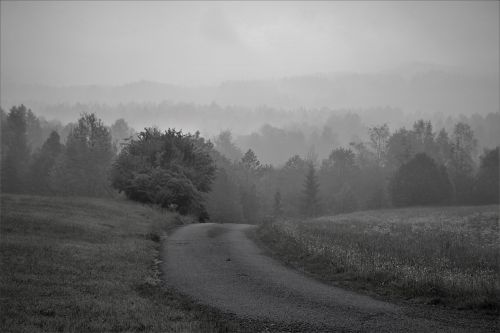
219, 266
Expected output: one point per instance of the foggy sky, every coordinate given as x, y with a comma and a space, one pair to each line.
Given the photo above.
66, 43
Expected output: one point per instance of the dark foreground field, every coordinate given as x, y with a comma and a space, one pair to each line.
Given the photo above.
89, 265
435, 256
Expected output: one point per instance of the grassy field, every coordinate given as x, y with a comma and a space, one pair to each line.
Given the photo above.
89, 265
442, 255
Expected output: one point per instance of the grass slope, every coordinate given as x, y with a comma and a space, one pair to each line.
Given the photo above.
445, 255
88, 265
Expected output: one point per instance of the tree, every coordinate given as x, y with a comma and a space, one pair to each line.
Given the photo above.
34, 132
400, 148
341, 162
169, 169
250, 161
43, 162
251, 170
311, 193
223, 143
277, 209
378, 140
337, 172
461, 165
120, 133
423, 138
15, 150
487, 181
83, 167
420, 182
443, 147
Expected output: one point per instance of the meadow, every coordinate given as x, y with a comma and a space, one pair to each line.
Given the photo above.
438, 255
89, 265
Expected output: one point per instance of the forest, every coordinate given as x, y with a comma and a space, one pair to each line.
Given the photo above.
215, 179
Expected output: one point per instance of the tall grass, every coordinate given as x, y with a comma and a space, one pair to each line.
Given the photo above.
446, 254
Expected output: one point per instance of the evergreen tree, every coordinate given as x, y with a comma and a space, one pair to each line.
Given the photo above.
250, 161
251, 172
288, 180
34, 132
43, 162
15, 151
311, 193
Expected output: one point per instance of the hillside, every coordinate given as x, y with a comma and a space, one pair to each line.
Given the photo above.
413, 88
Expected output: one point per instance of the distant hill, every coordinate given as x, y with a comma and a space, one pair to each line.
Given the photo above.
413, 88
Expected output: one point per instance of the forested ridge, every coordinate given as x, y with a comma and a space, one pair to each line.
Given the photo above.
215, 179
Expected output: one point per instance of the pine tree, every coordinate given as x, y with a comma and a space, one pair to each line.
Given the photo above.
43, 162
311, 193
15, 150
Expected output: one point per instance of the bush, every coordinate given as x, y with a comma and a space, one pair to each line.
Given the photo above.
169, 169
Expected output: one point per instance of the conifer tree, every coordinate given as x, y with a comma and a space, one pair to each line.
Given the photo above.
311, 193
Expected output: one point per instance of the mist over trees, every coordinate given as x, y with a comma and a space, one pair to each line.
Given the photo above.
274, 134
413, 87
416, 166
223, 179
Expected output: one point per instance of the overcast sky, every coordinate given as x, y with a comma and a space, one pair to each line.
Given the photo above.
65, 43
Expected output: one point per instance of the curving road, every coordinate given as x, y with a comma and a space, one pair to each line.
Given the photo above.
218, 265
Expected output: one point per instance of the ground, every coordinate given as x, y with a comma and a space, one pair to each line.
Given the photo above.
90, 265
433, 255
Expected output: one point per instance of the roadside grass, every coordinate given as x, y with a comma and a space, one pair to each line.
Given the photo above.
90, 265
440, 255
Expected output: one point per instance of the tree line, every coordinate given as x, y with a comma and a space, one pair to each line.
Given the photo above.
35, 159
217, 181
408, 167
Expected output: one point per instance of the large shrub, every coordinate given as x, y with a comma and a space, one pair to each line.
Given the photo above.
170, 169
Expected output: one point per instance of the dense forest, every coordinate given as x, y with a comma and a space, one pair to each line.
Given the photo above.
218, 180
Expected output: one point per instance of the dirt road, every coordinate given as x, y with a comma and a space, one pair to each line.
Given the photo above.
218, 265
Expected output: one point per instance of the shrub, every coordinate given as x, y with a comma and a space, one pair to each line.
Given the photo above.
170, 169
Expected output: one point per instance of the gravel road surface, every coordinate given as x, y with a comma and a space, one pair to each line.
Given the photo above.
219, 266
